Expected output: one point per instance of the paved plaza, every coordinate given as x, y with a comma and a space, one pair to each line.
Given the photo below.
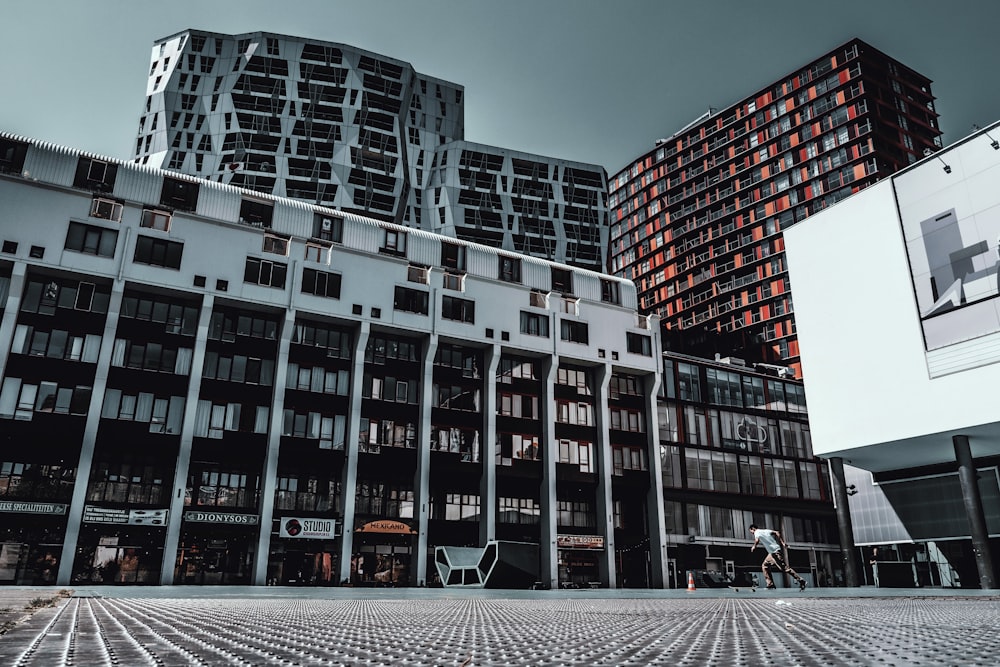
225, 626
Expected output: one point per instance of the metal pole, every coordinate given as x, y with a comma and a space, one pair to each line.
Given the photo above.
974, 509
844, 525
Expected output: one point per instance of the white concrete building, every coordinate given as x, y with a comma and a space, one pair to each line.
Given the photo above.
896, 299
206, 384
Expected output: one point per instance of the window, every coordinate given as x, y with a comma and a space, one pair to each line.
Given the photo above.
179, 195
394, 242
610, 292
418, 274
638, 344
95, 175
510, 269
153, 219
275, 244
321, 283
328, 228
158, 252
577, 453
562, 281
316, 252
627, 458
534, 324
410, 300
91, 240
452, 256
9, 247
539, 299
461, 310
106, 209
265, 272
256, 213
574, 332
454, 281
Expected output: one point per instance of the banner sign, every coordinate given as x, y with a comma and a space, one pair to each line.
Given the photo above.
387, 526
197, 516
309, 528
94, 514
32, 508
579, 541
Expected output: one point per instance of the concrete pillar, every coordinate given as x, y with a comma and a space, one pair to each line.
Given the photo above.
844, 525
269, 476
176, 514
349, 480
974, 509
422, 478
488, 482
654, 501
604, 510
549, 567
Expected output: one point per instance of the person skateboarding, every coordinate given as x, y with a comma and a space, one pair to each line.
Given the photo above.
774, 544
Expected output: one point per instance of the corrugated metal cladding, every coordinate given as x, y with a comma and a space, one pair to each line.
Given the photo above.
535, 274
139, 185
587, 286
362, 234
52, 166
630, 298
423, 250
482, 262
293, 219
219, 203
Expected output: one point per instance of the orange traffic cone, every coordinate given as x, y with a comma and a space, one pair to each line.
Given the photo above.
691, 588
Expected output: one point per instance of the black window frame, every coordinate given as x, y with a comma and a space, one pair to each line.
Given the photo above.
82, 231
509, 269
562, 280
178, 194
158, 252
458, 309
572, 331
542, 320
411, 300
321, 283
276, 272
638, 344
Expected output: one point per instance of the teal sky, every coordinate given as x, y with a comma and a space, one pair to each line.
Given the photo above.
588, 80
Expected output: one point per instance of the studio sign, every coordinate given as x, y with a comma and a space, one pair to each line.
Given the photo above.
300, 527
222, 518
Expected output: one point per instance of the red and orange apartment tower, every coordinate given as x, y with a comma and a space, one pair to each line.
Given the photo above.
696, 222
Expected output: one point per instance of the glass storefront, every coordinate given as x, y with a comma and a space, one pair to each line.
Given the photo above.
118, 555
30, 548
212, 554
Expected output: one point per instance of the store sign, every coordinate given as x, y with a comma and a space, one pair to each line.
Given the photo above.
308, 528
580, 541
225, 518
32, 508
94, 514
387, 526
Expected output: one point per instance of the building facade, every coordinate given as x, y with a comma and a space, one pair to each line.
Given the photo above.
910, 414
344, 128
697, 221
205, 384
736, 450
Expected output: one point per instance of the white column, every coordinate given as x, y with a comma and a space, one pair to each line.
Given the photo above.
422, 481
349, 478
605, 507
176, 514
488, 482
549, 573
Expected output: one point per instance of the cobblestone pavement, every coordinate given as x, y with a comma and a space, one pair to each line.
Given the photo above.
738, 629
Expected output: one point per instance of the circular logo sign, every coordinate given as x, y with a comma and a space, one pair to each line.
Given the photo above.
293, 527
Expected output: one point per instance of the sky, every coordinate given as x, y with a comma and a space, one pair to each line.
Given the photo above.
585, 80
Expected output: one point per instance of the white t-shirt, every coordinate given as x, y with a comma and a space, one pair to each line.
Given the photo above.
767, 537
